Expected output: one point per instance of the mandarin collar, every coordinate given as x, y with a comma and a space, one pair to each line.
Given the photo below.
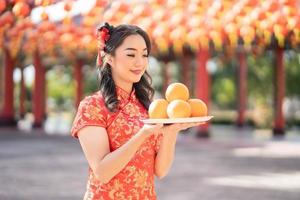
124, 96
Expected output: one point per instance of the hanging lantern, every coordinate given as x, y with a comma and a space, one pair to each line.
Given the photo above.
157, 2
160, 14
280, 33
128, 18
217, 39
43, 2
109, 16
193, 38
177, 18
21, 9
2, 5
67, 20
273, 6
147, 25
44, 16
267, 36
6, 19
45, 26
162, 44
176, 3
119, 6
88, 21
68, 6
101, 3
248, 34
178, 33
142, 11
195, 21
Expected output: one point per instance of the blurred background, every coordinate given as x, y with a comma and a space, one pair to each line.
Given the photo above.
240, 56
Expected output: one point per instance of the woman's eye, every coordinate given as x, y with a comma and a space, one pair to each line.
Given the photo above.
131, 55
146, 56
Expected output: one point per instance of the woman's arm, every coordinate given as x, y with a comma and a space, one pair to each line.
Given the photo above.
165, 155
106, 164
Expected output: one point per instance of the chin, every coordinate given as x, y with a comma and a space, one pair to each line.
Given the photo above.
135, 79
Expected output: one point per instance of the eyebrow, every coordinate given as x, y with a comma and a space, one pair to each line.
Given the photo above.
133, 49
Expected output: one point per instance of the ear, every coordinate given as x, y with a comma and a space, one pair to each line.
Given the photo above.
109, 59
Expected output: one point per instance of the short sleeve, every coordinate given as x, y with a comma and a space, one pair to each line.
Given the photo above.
91, 112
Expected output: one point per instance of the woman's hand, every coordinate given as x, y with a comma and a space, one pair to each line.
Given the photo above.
149, 129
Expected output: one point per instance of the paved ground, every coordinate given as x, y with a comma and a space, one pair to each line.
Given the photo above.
232, 165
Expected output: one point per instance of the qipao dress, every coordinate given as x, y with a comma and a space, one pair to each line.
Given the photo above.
136, 180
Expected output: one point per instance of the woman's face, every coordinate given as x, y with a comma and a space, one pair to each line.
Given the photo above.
130, 60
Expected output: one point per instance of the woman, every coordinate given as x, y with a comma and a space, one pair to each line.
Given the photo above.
123, 154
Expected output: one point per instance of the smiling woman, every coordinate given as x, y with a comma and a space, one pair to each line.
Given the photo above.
123, 153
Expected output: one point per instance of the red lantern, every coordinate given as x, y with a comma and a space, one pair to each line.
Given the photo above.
68, 6
119, 6
46, 26
6, 18
109, 16
230, 28
44, 16
21, 9
2, 5
274, 6
43, 2
101, 3
142, 11
160, 15
177, 19
157, 2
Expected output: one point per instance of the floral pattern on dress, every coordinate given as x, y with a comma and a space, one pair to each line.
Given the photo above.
136, 179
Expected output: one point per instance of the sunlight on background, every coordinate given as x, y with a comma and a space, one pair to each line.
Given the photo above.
278, 181
56, 11
270, 150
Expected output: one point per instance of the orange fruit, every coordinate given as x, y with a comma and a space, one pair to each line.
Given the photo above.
158, 109
199, 108
177, 91
179, 109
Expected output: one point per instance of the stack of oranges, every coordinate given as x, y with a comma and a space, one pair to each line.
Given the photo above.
177, 104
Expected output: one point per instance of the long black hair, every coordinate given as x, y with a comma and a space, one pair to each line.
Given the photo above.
143, 90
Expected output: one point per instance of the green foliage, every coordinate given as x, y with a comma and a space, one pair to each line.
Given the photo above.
60, 85
223, 88
292, 73
260, 76
91, 83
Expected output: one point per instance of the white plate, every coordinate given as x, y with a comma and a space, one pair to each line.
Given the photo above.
177, 120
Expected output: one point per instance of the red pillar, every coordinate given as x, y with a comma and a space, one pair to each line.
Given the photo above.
203, 86
7, 114
22, 94
39, 92
242, 87
185, 62
79, 79
279, 92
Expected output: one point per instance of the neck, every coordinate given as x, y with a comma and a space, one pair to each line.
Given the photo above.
121, 83
127, 87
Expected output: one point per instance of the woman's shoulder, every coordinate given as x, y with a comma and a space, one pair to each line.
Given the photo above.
95, 98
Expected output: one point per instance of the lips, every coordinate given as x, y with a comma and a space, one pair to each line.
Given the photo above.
137, 72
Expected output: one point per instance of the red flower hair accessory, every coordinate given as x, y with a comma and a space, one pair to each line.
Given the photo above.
103, 35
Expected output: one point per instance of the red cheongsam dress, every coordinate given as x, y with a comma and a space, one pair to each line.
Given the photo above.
136, 180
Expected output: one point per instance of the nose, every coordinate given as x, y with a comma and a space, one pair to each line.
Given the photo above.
140, 61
